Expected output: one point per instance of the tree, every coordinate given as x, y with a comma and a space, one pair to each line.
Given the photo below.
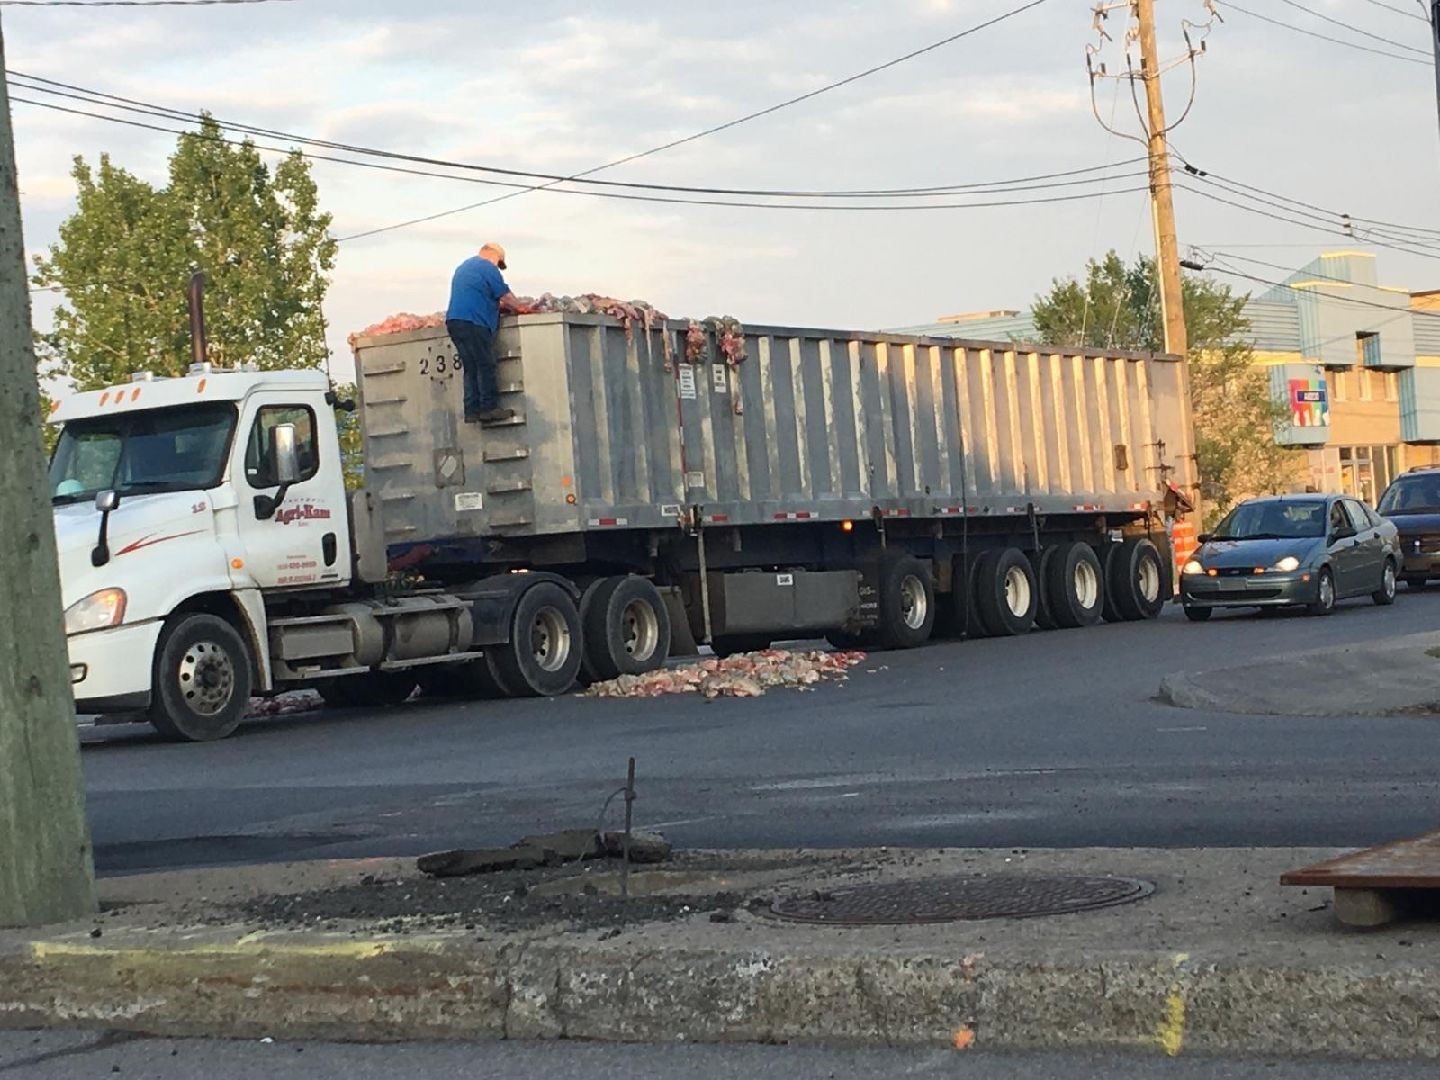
124, 260
1118, 307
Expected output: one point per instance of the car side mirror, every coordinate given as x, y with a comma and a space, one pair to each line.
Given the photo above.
285, 455
106, 501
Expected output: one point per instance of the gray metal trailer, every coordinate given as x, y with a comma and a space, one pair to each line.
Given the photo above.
870, 487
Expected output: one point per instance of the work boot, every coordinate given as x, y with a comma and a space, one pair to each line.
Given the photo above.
495, 416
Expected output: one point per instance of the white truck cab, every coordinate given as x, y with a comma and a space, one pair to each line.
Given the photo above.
197, 518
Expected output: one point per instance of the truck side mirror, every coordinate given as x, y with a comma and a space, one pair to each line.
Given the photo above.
105, 502
285, 456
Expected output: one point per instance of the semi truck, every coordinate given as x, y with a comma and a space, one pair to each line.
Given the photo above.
657, 490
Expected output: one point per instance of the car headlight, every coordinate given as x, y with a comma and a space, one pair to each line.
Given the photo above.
1194, 566
1285, 565
96, 611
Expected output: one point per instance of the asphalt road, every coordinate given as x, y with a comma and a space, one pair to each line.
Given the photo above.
1052, 740
63, 1055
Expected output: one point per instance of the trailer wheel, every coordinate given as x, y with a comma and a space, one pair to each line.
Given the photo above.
907, 602
1005, 592
1136, 580
1074, 586
626, 626
1108, 556
733, 644
542, 657
378, 688
202, 679
1040, 563
954, 615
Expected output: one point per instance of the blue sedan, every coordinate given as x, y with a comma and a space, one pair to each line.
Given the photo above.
1293, 551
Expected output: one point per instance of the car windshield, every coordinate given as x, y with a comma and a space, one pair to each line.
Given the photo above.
181, 449
1289, 520
1412, 495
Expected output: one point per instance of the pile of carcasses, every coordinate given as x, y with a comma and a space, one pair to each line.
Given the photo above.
287, 704
743, 675
399, 324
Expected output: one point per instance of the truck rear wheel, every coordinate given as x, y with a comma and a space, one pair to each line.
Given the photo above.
1074, 586
375, 688
1108, 554
626, 627
907, 602
1137, 580
202, 679
1005, 592
542, 658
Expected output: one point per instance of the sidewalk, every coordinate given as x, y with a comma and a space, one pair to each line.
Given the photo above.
1219, 959
1390, 677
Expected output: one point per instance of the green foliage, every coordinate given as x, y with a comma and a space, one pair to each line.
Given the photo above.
1118, 307
124, 259
352, 448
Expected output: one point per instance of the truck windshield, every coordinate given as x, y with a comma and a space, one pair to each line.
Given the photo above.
179, 449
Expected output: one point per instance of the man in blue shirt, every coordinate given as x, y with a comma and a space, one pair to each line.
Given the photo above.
478, 294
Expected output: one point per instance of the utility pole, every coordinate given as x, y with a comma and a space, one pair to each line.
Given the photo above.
45, 864
1434, 14
1162, 204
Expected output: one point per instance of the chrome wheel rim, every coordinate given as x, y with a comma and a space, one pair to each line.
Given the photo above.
1148, 580
1017, 591
914, 602
640, 629
206, 678
550, 639
1327, 591
1087, 585
1389, 583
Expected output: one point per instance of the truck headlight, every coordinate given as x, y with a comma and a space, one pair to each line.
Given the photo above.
1194, 566
1285, 565
96, 611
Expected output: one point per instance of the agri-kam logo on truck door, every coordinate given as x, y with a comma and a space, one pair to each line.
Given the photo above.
301, 513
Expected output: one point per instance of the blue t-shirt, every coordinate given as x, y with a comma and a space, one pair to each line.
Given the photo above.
475, 292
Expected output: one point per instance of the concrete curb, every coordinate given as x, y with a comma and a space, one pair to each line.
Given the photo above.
298, 985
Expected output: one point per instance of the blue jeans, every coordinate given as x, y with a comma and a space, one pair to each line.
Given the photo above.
476, 346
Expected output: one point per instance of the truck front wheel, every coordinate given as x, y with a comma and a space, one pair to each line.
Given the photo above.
202, 679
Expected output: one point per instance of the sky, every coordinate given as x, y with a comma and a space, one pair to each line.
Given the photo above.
562, 87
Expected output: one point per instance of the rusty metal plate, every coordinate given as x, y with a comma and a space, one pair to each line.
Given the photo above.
1403, 864
960, 898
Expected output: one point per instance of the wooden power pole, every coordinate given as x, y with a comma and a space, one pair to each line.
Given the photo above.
45, 865
1162, 204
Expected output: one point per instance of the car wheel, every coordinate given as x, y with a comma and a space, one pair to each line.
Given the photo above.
1198, 614
1385, 595
1324, 602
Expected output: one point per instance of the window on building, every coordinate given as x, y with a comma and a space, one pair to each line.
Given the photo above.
1367, 348
1392, 385
1367, 385
1339, 386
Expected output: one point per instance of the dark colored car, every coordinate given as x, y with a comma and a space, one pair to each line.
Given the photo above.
1412, 502
1293, 551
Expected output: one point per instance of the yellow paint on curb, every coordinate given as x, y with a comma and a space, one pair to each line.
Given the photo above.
1171, 1032
250, 945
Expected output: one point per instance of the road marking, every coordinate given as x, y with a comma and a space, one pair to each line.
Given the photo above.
1175, 730
1171, 1032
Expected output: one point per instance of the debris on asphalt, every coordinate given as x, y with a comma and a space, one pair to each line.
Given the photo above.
288, 704
742, 675
544, 850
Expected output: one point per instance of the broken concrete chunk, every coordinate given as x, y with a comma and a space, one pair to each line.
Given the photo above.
645, 847
570, 845
463, 861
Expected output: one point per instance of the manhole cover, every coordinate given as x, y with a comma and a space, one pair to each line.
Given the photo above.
952, 899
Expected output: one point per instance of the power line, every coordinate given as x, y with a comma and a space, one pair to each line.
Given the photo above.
717, 128
1323, 37
1233, 272
43, 85
1398, 11
132, 3
603, 194
1353, 28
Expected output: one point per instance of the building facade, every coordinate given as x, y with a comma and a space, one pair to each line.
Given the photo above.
1356, 363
